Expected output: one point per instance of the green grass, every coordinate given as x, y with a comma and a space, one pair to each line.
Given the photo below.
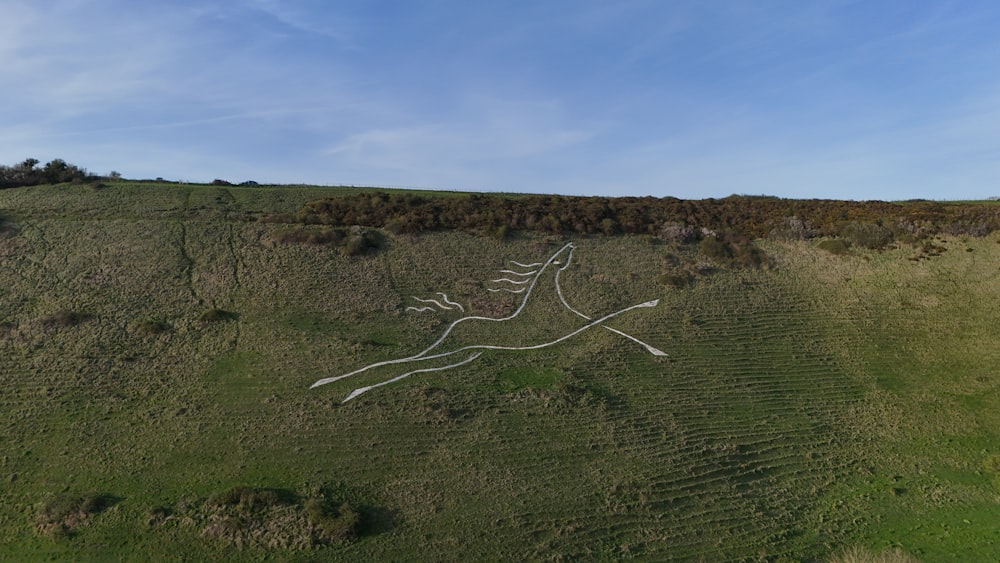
831, 401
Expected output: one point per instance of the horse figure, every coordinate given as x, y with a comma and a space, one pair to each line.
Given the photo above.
525, 285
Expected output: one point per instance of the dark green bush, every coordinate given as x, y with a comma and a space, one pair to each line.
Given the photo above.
716, 249
63, 513
834, 246
872, 236
361, 243
335, 525
251, 500
733, 250
64, 319
152, 327
680, 280
330, 237
218, 315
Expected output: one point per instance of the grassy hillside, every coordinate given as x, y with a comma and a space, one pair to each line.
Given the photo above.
157, 344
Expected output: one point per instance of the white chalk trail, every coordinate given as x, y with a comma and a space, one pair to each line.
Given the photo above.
535, 265
361, 390
448, 301
508, 280
434, 301
504, 289
652, 350
521, 274
420, 309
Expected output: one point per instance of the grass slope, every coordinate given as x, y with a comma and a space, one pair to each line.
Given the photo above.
829, 402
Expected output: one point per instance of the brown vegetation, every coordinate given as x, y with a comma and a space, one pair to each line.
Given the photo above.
61, 515
871, 224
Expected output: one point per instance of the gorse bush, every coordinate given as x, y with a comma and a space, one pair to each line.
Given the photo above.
352, 242
218, 315
872, 236
334, 524
152, 327
64, 319
672, 219
834, 246
254, 517
733, 250
62, 514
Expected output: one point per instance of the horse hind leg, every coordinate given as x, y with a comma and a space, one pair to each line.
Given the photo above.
361, 390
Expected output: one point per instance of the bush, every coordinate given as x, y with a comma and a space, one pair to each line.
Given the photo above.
329, 237
361, 243
872, 236
7, 226
834, 246
218, 315
62, 514
250, 500
27, 173
266, 518
679, 280
152, 327
64, 319
733, 250
334, 525
716, 249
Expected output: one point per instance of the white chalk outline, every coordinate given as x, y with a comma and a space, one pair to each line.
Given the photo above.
450, 302
419, 309
423, 355
652, 350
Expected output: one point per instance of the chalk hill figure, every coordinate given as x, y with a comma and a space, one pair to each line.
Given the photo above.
519, 282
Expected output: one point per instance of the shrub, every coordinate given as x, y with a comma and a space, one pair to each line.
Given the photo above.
64, 319
733, 250
330, 237
716, 249
363, 242
218, 315
680, 280
872, 236
250, 500
62, 514
7, 226
334, 525
152, 327
834, 246
266, 518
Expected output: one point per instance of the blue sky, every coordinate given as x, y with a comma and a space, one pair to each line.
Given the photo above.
692, 99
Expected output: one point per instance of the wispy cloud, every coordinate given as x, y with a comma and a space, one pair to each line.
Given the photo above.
833, 98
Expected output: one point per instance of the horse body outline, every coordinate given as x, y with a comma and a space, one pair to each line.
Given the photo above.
477, 349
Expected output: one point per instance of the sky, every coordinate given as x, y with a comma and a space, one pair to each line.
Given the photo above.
685, 98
